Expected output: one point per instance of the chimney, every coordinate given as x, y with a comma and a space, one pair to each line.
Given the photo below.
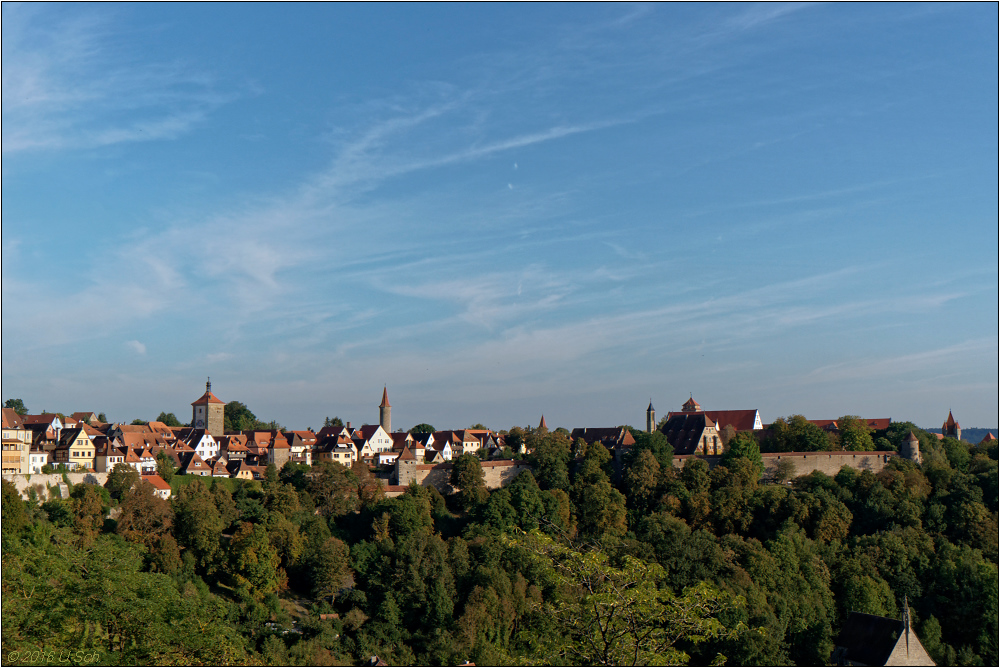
348, 425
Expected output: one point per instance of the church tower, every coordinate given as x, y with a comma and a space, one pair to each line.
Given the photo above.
208, 412
952, 428
650, 418
385, 412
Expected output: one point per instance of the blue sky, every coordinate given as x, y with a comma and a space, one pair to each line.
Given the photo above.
501, 211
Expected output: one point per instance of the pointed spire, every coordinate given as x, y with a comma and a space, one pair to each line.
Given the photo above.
385, 398
650, 409
906, 622
542, 425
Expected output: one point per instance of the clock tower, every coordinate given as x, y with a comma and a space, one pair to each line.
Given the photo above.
208, 411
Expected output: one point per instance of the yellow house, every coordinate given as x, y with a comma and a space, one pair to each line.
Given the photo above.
16, 442
75, 450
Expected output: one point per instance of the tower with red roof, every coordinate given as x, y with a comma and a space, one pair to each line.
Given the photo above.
952, 428
385, 412
208, 412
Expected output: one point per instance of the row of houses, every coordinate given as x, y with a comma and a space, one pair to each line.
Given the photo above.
81, 442
32, 442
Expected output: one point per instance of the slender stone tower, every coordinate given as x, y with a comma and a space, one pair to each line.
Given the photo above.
385, 412
650, 418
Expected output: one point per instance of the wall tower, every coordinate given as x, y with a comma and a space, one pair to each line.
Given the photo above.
910, 448
208, 412
650, 418
385, 412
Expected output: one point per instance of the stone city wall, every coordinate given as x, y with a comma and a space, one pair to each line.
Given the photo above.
829, 463
41, 482
496, 474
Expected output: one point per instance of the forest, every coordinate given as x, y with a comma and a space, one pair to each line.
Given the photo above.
585, 561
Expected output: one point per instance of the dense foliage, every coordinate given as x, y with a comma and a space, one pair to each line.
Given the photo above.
587, 561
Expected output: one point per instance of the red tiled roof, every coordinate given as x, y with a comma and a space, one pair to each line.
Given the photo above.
400, 439
385, 399
207, 398
742, 420
691, 405
11, 420
406, 455
156, 481
134, 428
44, 418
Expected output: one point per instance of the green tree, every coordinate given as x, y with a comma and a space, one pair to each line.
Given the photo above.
514, 439
370, 488
641, 480
237, 417
621, 615
101, 417
467, 475
745, 445
656, 443
15, 517
139, 421
89, 503
145, 518
332, 422
165, 466
785, 470
17, 405
168, 419
328, 566
254, 563
121, 479
333, 489
423, 428
198, 524
796, 434
549, 456
855, 434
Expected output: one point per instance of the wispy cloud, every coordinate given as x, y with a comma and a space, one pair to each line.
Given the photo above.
933, 359
136, 347
763, 13
65, 86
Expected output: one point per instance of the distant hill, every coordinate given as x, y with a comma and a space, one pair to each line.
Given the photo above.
970, 435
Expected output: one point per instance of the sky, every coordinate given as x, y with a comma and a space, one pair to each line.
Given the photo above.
501, 211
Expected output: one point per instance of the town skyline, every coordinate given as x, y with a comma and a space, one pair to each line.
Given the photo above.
184, 417
502, 211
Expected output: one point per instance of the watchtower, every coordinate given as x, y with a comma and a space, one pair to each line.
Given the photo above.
208, 412
385, 412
